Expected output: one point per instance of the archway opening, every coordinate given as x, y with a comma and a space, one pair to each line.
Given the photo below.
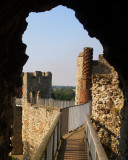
54, 39
59, 41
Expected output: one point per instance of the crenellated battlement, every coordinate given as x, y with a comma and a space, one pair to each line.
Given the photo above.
39, 74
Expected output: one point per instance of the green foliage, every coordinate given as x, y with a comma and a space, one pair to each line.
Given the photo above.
12, 158
64, 87
63, 94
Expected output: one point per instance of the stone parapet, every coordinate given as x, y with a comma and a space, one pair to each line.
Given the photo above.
36, 120
107, 101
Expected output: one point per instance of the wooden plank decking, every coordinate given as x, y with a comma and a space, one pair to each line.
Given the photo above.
73, 146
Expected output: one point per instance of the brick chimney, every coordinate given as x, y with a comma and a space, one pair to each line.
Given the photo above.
84, 74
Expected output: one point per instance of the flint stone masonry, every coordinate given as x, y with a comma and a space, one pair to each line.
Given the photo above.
79, 75
37, 120
35, 85
107, 101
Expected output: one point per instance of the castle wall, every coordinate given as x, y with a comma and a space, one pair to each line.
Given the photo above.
107, 101
37, 84
79, 76
36, 120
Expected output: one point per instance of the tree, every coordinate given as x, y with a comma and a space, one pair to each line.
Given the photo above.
63, 94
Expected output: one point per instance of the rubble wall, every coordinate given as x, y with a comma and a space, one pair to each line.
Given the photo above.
36, 120
79, 76
107, 101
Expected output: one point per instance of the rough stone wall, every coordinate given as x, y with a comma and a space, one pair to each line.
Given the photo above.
17, 131
36, 119
36, 122
107, 101
84, 71
37, 84
79, 76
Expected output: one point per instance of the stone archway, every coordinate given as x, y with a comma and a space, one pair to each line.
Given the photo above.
104, 20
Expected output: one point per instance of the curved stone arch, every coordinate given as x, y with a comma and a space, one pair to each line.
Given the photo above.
104, 20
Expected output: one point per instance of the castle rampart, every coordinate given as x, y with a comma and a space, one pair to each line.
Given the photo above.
36, 120
107, 101
35, 85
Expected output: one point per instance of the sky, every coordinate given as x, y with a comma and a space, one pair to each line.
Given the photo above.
54, 40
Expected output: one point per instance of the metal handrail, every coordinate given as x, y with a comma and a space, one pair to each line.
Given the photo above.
94, 146
51, 139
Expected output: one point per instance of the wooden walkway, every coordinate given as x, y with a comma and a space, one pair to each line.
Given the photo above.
73, 146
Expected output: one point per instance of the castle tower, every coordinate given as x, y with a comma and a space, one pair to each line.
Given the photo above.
84, 72
36, 85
